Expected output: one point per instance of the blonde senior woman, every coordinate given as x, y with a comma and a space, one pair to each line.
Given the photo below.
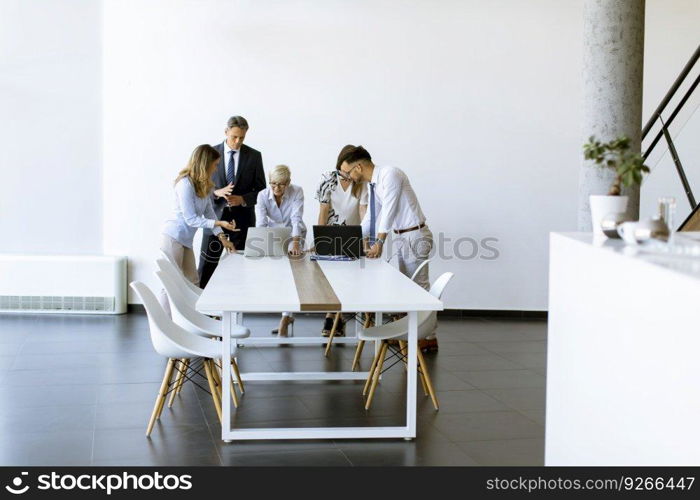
281, 204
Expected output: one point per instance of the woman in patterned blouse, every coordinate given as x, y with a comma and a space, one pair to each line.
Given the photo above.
343, 202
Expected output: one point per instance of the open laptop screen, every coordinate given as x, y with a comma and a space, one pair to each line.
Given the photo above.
338, 240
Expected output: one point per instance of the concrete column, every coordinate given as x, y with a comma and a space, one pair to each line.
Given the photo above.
613, 63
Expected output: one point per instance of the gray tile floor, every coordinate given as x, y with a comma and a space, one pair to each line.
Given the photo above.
78, 390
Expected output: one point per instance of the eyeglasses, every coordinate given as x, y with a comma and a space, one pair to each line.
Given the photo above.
346, 175
278, 184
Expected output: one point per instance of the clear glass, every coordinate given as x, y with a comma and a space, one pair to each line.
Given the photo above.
667, 213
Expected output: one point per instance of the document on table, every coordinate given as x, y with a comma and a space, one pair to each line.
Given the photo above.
331, 257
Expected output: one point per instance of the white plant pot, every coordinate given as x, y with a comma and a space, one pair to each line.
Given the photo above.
602, 205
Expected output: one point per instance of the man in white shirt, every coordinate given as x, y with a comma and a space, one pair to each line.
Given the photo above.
393, 206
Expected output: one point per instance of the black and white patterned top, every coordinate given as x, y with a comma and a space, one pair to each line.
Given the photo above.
344, 207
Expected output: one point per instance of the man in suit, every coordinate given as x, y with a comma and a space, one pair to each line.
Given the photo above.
238, 179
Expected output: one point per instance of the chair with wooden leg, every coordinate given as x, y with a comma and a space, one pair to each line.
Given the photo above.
185, 315
398, 330
184, 307
181, 367
338, 324
336, 321
367, 323
361, 344
179, 347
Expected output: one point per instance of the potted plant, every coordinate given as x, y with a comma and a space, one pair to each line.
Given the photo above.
629, 168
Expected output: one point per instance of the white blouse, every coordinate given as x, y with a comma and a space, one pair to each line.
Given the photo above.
344, 208
290, 212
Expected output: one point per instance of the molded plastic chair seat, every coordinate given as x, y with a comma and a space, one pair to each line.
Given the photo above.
398, 330
185, 315
427, 320
360, 345
171, 340
181, 347
183, 309
419, 269
194, 289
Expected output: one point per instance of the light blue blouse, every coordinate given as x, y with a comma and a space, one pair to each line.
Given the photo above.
191, 212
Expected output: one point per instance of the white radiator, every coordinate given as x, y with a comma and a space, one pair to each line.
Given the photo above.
83, 284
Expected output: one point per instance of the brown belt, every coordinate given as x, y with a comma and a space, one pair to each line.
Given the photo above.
414, 228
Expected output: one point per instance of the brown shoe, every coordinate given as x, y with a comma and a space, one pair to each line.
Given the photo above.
428, 345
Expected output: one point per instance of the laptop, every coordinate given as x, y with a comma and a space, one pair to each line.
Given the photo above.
338, 241
267, 241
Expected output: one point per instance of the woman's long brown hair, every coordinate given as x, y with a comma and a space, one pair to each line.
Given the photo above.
197, 169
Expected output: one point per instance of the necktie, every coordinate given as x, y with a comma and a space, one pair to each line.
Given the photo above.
231, 171
372, 214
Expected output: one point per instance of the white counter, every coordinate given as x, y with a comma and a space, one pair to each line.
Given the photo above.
623, 360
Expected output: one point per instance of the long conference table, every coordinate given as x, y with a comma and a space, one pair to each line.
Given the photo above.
283, 284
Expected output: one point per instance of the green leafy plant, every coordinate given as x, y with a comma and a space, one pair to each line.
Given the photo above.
629, 167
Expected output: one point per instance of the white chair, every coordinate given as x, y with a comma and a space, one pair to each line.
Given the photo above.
398, 330
367, 321
176, 343
186, 316
336, 321
185, 313
361, 343
165, 264
418, 269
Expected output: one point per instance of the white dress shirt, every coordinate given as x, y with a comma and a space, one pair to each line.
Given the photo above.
396, 204
290, 212
190, 212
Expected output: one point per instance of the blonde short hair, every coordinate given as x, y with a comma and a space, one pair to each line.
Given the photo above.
281, 174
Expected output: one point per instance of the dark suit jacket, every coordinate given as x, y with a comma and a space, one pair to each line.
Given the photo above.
250, 177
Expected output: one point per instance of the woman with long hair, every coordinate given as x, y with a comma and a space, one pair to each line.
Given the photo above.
193, 210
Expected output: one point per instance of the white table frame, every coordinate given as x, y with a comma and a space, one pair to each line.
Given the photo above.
363, 285
407, 431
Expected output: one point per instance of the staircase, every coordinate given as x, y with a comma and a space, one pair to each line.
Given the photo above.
676, 122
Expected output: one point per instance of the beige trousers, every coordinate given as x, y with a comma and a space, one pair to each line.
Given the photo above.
410, 250
183, 258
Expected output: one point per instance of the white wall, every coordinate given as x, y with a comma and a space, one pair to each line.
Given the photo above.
50, 126
477, 101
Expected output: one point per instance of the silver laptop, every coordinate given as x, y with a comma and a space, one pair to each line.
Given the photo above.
267, 241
